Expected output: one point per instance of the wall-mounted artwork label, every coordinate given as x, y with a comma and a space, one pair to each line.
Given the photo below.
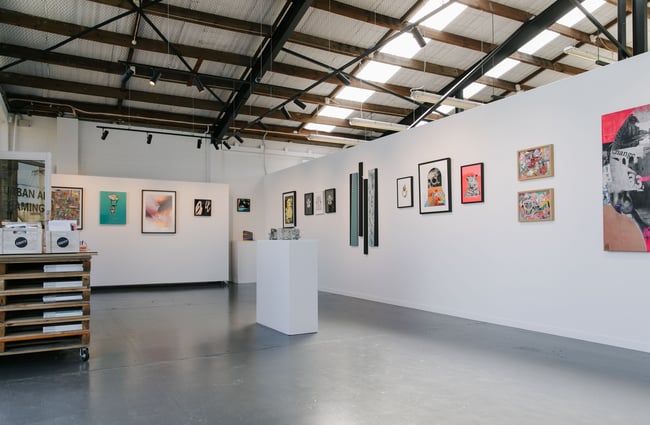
309, 203
112, 207
67, 204
535, 163
158, 211
289, 209
536, 205
405, 192
626, 179
202, 207
330, 200
435, 186
471, 183
243, 205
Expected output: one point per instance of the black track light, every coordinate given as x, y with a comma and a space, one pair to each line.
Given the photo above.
238, 137
199, 142
155, 76
299, 104
104, 134
215, 144
418, 37
342, 78
198, 84
261, 125
149, 137
226, 144
127, 75
285, 112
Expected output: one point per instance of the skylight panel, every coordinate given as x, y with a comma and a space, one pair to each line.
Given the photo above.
355, 94
541, 40
576, 15
472, 89
319, 127
335, 112
441, 19
502, 67
404, 46
445, 109
377, 71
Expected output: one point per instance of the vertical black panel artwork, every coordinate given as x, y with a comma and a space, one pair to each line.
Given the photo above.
362, 205
375, 210
365, 216
354, 209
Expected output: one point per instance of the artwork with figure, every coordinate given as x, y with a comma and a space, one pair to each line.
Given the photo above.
289, 209
112, 207
435, 186
626, 179
158, 211
471, 183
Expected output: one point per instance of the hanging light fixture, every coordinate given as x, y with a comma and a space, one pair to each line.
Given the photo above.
380, 125
417, 35
199, 85
342, 78
127, 74
238, 137
285, 112
104, 134
299, 104
155, 76
149, 137
199, 142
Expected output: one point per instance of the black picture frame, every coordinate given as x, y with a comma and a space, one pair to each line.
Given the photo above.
243, 205
202, 208
434, 182
309, 203
289, 209
330, 200
472, 183
405, 192
68, 204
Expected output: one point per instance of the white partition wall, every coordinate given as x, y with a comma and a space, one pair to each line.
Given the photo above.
478, 261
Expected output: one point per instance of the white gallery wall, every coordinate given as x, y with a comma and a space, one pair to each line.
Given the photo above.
478, 261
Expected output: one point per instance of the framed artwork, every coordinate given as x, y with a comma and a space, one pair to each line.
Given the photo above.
243, 205
372, 207
319, 204
471, 183
405, 192
112, 207
625, 182
535, 163
202, 208
67, 204
289, 209
354, 209
435, 186
309, 203
158, 211
330, 200
536, 205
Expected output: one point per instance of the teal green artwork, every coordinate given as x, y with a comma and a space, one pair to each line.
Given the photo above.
112, 207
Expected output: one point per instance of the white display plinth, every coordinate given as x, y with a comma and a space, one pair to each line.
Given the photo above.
244, 265
287, 285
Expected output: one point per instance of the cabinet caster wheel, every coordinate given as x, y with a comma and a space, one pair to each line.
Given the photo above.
84, 354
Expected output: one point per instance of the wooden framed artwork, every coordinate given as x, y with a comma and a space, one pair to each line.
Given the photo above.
243, 205
330, 200
112, 207
309, 203
289, 209
536, 205
535, 163
405, 192
67, 204
435, 186
471, 183
158, 211
202, 208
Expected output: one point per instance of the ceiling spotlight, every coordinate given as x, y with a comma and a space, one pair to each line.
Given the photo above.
285, 112
198, 84
238, 137
262, 125
226, 144
155, 76
199, 142
104, 134
417, 35
342, 78
127, 74
299, 104
149, 137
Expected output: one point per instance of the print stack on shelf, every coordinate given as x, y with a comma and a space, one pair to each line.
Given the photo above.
45, 303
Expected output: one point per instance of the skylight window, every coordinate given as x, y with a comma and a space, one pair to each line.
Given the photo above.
404, 46
335, 112
472, 89
541, 40
319, 127
441, 19
445, 109
576, 15
502, 67
377, 71
355, 94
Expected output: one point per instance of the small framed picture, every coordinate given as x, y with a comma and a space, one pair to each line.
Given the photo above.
535, 163
405, 192
289, 209
330, 200
158, 211
435, 186
202, 208
536, 205
471, 183
319, 205
243, 205
67, 204
309, 203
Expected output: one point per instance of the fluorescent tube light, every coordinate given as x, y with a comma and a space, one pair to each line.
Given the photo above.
422, 96
574, 51
380, 125
333, 139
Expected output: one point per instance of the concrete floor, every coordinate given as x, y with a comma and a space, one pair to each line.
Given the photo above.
195, 356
